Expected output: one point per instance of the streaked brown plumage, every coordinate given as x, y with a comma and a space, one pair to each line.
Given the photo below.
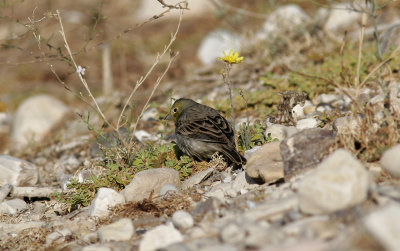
201, 131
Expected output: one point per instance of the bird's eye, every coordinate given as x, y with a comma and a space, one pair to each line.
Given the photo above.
175, 110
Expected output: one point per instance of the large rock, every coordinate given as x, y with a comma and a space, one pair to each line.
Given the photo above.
105, 198
35, 118
266, 163
148, 181
17, 172
13, 206
285, 18
215, 43
121, 230
390, 161
384, 224
160, 237
340, 16
338, 183
305, 149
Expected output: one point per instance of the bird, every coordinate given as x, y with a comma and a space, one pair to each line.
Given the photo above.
201, 132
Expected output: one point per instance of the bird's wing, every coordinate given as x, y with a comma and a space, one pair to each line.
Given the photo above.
212, 130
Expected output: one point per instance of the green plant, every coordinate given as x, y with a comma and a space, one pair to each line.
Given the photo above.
251, 136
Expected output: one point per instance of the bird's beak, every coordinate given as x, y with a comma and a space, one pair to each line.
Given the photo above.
168, 117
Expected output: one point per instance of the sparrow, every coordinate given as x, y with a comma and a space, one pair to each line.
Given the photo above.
201, 131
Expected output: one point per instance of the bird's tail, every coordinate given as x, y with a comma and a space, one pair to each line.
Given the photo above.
234, 156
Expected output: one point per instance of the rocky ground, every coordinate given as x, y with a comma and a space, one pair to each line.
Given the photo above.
322, 168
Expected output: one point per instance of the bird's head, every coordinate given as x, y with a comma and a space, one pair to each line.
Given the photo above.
178, 107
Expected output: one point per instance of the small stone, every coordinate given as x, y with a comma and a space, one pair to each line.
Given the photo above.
105, 198
96, 247
13, 206
91, 237
242, 181
168, 189
17, 172
280, 132
384, 224
160, 237
345, 125
142, 135
232, 234
121, 230
339, 182
197, 178
273, 209
182, 220
307, 123
390, 161
266, 164
65, 181
150, 114
148, 181
58, 237
305, 150
298, 112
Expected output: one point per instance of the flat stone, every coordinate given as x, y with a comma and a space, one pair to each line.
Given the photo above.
160, 237
17, 172
182, 220
280, 132
13, 206
384, 225
58, 237
307, 123
273, 209
105, 198
305, 149
338, 183
250, 152
197, 178
121, 230
243, 181
390, 161
35, 117
168, 189
266, 163
148, 181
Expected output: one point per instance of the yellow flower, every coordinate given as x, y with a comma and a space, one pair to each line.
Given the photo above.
231, 58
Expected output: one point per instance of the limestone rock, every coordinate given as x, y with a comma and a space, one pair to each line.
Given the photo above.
17, 172
215, 43
121, 230
35, 118
390, 161
339, 182
266, 164
13, 206
284, 18
105, 198
182, 220
160, 237
305, 149
197, 178
384, 224
150, 180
